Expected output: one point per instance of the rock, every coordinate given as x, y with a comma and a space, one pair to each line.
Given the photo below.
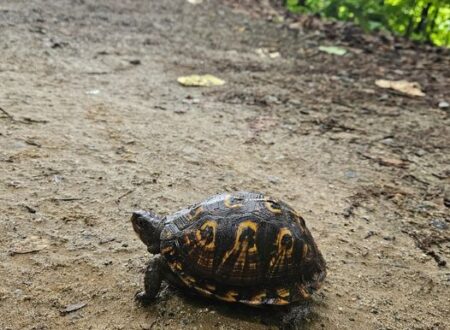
350, 174
447, 198
273, 179
135, 62
72, 308
439, 224
443, 105
420, 152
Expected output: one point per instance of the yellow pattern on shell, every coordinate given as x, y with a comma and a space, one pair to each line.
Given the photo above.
227, 202
279, 301
298, 219
167, 250
241, 248
284, 252
176, 265
201, 241
230, 296
197, 212
203, 291
303, 292
187, 279
283, 292
202, 246
305, 250
269, 205
258, 298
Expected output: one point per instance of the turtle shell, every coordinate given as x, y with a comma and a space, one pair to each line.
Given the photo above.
243, 247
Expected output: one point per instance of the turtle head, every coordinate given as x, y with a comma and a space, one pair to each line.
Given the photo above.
148, 227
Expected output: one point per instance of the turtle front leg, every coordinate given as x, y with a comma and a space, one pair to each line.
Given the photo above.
152, 281
296, 316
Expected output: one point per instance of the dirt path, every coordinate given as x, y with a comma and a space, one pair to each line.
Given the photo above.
94, 125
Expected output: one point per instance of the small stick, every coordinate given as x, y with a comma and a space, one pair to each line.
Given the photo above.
122, 196
28, 120
14, 252
7, 114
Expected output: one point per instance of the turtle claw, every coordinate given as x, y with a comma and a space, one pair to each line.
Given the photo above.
142, 298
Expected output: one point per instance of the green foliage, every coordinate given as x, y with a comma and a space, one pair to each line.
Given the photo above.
423, 20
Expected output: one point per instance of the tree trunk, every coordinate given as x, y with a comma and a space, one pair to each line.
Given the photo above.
433, 20
421, 27
410, 27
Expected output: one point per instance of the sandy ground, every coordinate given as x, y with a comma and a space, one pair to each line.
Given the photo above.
94, 125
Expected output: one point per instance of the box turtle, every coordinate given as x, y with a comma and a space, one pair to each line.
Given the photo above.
242, 247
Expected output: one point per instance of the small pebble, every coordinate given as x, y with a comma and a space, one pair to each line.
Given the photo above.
350, 174
135, 62
439, 224
420, 152
273, 179
443, 105
388, 141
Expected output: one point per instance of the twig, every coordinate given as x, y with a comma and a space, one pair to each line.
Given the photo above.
65, 199
14, 252
25, 120
28, 120
122, 196
96, 72
33, 143
7, 114
378, 264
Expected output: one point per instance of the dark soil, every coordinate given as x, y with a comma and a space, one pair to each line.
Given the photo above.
93, 125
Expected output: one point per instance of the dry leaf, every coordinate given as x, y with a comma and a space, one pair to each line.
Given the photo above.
274, 55
392, 162
404, 86
206, 80
333, 50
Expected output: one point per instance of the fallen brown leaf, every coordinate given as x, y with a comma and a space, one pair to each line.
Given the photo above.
404, 86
